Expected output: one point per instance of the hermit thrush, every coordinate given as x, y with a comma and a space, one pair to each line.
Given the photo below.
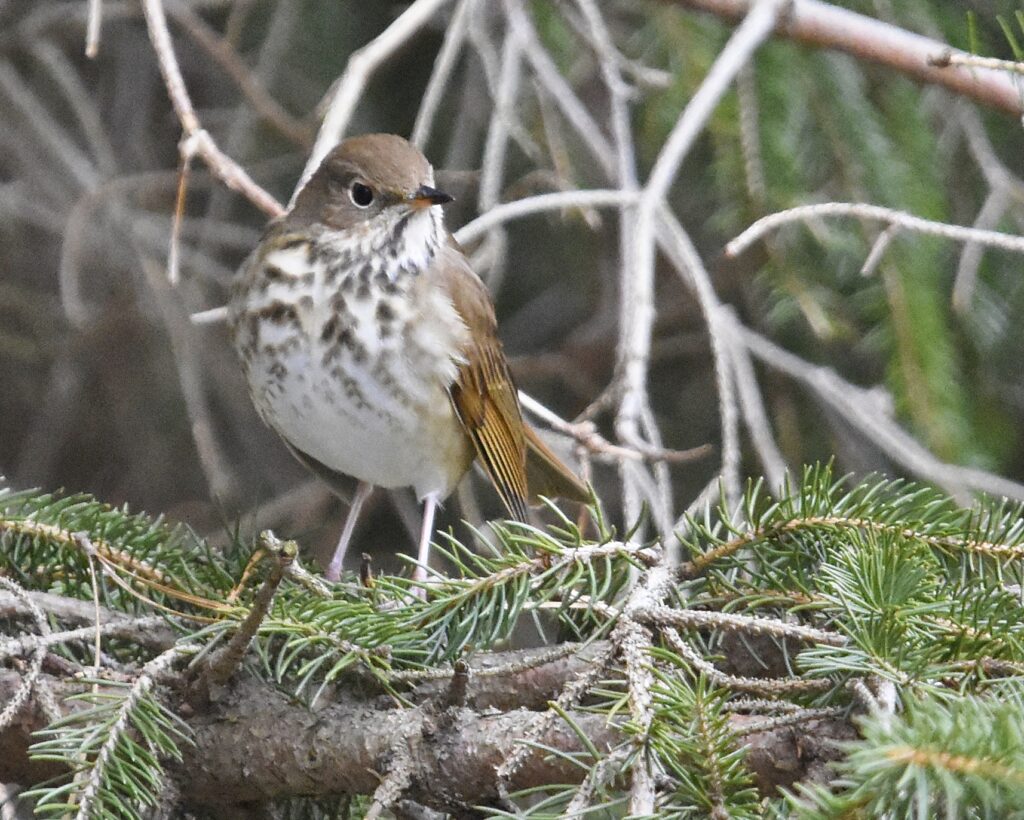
371, 346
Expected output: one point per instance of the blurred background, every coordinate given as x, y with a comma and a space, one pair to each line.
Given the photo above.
107, 387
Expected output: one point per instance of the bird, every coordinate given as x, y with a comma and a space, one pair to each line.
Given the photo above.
371, 347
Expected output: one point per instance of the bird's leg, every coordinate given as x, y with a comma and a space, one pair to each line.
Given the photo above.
423, 556
363, 491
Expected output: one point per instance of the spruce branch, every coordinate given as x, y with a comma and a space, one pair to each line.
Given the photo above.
695, 619
769, 687
33, 529
862, 604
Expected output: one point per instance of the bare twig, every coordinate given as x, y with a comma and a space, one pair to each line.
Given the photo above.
586, 434
991, 212
151, 631
856, 406
750, 136
677, 245
953, 58
900, 219
196, 140
703, 619
768, 687
561, 92
93, 26
538, 204
878, 249
445, 62
755, 417
221, 50
223, 665
361, 66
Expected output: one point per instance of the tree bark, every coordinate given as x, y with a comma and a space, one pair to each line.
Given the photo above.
253, 742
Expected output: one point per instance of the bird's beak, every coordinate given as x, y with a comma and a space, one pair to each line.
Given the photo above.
425, 196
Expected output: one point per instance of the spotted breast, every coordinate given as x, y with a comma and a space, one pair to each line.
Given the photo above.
350, 353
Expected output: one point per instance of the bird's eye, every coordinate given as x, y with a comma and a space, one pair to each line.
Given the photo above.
361, 195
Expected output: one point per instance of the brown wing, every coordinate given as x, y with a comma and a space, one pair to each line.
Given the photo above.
548, 476
519, 464
484, 396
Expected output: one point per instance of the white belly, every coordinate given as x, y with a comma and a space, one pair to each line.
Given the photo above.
356, 426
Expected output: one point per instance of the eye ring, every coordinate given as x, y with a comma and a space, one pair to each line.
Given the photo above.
361, 195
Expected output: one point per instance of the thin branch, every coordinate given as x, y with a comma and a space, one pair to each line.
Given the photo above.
562, 95
949, 57
768, 687
81, 101
585, 433
149, 631
571, 693
677, 245
993, 209
878, 249
31, 676
225, 55
791, 719
755, 417
196, 140
223, 664
634, 642
823, 25
63, 609
360, 68
856, 405
730, 622
750, 136
903, 220
93, 26
140, 688
444, 64
508, 211
637, 316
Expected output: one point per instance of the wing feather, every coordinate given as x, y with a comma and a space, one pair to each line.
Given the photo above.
486, 401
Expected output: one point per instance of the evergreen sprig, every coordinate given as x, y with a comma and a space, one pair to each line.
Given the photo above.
114, 749
938, 758
692, 738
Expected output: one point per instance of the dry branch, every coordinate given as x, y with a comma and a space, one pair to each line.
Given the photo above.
823, 25
257, 743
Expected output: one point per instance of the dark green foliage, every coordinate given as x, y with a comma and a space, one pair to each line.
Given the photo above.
691, 734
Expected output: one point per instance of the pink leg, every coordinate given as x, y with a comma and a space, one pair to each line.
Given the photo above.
362, 493
423, 556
